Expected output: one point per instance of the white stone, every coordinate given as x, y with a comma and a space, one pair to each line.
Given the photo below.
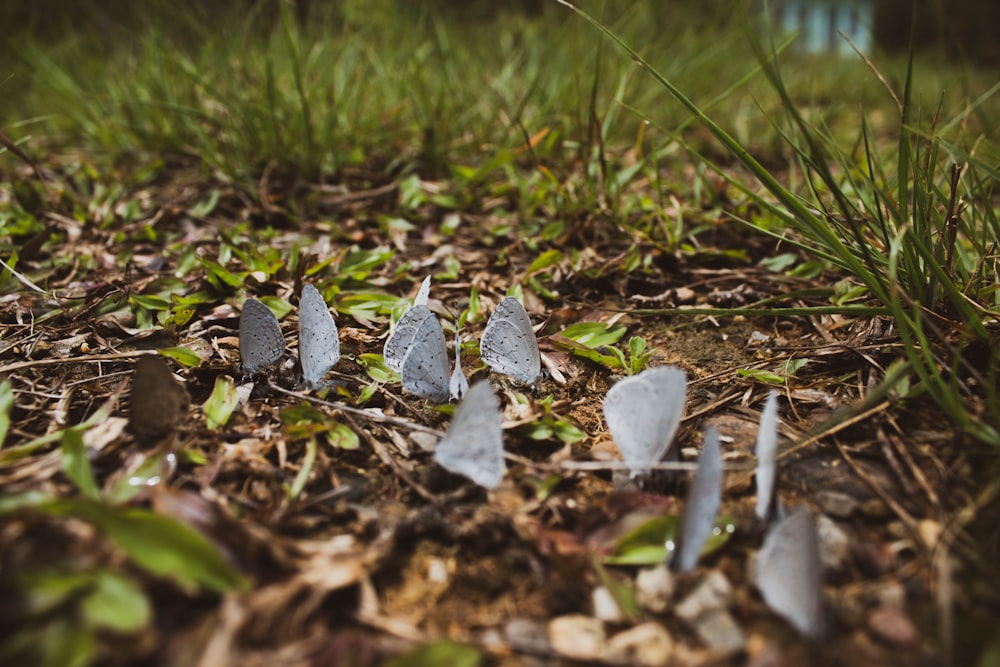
645, 645
577, 636
654, 588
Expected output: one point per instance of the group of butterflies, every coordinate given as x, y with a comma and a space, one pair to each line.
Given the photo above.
643, 412
416, 349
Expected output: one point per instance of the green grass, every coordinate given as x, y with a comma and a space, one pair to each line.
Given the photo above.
855, 172
916, 229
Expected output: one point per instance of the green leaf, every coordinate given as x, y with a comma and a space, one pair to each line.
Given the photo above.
545, 260
6, 403
116, 603
302, 477
646, 544
342, 437
762, 375
374, 365
183, 356
150, 471
220, 405
594, 334
440, 652
159, 544
76, 463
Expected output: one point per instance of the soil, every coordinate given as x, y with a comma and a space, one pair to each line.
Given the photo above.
382, 550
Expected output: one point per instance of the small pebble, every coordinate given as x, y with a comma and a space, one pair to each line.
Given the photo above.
654, 588
719, 631
893, 626
577, 636
834, 544
836, 504
715, 592
527, 635
645, 645
605, 606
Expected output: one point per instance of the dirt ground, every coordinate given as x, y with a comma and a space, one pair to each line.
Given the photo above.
382, 550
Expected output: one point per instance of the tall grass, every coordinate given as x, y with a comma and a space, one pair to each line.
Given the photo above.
917, 229
374, 83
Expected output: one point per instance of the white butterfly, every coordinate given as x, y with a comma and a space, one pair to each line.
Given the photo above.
643, 412
789, 573
425, 369
703, 500
319, 342
261, 342
424, 293
509, 345
767, 444
473, 445
398, 343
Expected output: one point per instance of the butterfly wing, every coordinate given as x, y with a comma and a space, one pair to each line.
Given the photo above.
261, 342
789, 572
473, 445
425, 369
509, 345
767, 444
319, 343
704, 498
643, 411
398, 343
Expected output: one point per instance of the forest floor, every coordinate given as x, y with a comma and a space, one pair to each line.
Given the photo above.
349, 546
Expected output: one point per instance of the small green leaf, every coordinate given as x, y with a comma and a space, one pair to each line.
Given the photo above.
761, 375
116, 603
374, 365
440, 652
76, 463
182, 355
220, 405
6, 403
159, 544
150, 471
545, 260
647, 544
594, 334
568, 433
342, 437
302, 477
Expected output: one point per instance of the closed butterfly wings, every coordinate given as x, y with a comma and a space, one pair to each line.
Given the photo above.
767, 445
789, 573
319, 343
159, 401
398, 343
509, 345
703, 500
643, 412
425, 370
473, 445
261, 342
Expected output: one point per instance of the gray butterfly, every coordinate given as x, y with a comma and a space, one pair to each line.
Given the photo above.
767, 444
789, 573
261, 342
703, 500
643, 412
398, 343
509, 345
425, 370
159, 402
473, 445
319, 342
